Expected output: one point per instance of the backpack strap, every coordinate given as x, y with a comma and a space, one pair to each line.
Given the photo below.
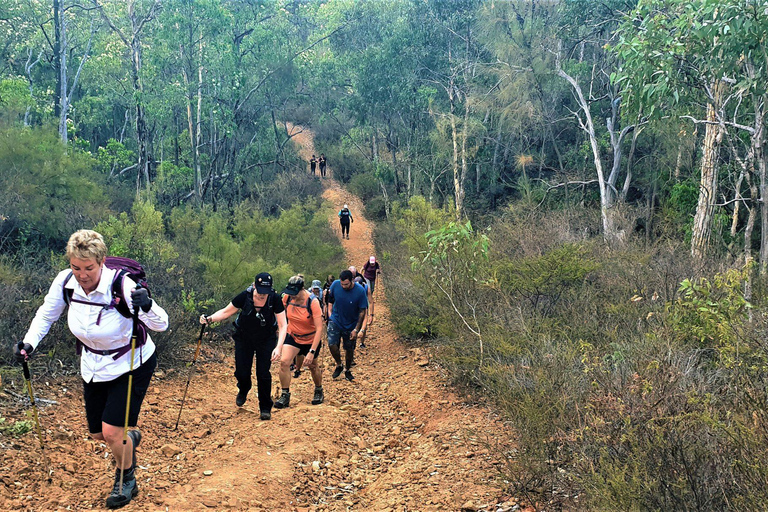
118, 302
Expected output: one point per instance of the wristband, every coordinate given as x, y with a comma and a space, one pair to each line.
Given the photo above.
312, 351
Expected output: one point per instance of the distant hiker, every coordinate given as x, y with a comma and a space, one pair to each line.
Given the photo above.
305, 330
322, 165
345, 217
362, 281
316, 290
104, 329
347, 303
326, 286
372, 270
260, 330
312, 164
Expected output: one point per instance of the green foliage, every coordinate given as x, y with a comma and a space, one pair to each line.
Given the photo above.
48, 192
710, 312
542, 280
140, 236
15, 429
14, 99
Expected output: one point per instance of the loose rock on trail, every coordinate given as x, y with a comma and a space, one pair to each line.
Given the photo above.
396, 439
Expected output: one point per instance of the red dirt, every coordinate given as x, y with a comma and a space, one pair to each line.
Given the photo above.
396, 439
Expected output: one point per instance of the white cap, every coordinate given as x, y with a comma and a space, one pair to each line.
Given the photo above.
345, 206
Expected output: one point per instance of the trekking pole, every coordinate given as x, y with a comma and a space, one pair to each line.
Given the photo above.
28, 381
134, 336
191, 372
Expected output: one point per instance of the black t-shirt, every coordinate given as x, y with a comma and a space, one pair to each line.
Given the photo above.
322, 162
248, 321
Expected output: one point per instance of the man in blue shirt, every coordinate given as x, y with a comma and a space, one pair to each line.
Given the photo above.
347, 304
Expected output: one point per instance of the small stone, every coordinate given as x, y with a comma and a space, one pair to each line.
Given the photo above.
207, 472
170, 450
469, 507
210, 503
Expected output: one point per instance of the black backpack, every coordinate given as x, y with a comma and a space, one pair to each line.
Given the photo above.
250, 309
126, 267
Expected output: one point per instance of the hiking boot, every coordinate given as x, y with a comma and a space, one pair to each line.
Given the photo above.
120, 497
348, 375
284, 400
337, 371
240, 398
297, 374
265, 415
319, 396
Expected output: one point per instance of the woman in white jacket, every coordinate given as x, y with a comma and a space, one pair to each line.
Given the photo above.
103, 333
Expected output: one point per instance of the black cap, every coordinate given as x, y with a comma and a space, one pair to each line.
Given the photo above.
295, 285
263, 282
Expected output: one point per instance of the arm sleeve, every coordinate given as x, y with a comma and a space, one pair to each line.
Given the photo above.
52, 308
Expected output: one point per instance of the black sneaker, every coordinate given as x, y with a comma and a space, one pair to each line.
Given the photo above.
240, 399
319, 396
265, 415
337, 371
284, 400
348, 375
120, 497
297, 374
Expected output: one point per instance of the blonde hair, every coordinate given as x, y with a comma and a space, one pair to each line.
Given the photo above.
86, 244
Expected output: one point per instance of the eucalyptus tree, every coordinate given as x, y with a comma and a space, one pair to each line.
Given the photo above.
128, 25
586, 67
679, 55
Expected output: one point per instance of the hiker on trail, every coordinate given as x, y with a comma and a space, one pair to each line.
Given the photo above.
315, 292
345, 217
312, 164
94, 292
362, 281
326, 286
260, 330
305, 330
372, 270
347, 303
322, 165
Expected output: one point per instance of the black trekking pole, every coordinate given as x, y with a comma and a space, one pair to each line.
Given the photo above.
191, 372
28, 381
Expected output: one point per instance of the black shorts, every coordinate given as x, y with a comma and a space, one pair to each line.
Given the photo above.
303, 348
105, 401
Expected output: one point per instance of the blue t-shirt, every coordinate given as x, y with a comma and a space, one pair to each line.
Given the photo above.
347, 305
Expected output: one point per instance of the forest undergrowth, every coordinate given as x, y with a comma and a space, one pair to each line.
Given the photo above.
631, 385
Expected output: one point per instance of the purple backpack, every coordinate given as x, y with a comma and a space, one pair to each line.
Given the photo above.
125, 267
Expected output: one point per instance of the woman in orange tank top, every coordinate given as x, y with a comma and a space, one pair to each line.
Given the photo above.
305, 330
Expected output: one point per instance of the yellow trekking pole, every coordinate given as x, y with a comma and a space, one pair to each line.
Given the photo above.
134, 336
35, 415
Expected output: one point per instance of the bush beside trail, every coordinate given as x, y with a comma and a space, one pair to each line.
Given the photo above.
628, 385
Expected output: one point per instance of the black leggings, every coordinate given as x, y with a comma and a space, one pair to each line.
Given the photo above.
345, 228
245, 350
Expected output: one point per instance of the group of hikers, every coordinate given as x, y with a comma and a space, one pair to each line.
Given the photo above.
110, 312
314, 162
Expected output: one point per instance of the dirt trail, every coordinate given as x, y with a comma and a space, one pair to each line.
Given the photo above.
395, 439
